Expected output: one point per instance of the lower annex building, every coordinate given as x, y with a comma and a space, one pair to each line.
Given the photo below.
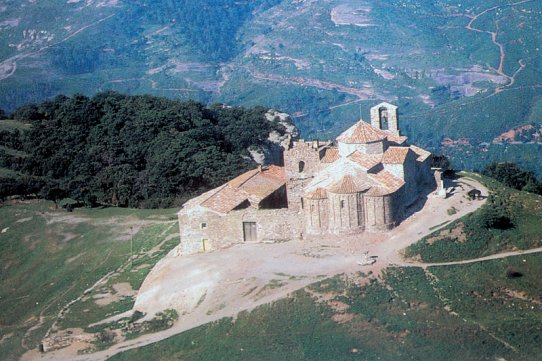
363, 182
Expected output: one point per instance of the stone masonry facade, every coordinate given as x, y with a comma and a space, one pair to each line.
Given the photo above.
363, 182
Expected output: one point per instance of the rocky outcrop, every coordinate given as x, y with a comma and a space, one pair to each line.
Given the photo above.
277, 142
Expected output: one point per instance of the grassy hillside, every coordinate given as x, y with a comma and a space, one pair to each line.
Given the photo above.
481, 311
510, 220
51, 257
472, 312
491, 308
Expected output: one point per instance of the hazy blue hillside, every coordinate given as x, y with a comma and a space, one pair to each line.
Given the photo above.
457, 69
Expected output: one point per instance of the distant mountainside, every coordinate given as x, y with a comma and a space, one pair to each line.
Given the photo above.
457, 69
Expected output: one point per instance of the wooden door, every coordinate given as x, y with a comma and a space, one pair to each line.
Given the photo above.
249, 232
205, 245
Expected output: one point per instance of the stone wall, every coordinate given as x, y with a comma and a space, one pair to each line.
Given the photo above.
203, 230
346, 149
411, 177
301, 163
277, 199
317, 215
381, 212
345, 213
397, 170
302, 160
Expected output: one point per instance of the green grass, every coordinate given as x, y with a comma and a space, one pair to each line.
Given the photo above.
50, 257
445, 313
482, 311
524, 210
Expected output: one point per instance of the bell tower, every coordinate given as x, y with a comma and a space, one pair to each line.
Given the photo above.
384, 116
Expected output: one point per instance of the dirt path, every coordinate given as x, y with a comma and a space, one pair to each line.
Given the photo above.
474, 260
207, 287
494, 34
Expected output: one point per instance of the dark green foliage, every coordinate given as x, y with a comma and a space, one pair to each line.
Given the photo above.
440, 161
137, 151
20, 185
514, 177
494, 217
76, 58
209, 26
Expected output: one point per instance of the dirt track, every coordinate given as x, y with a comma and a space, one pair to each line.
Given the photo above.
207, 287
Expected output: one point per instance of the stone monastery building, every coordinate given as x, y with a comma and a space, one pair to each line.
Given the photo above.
365, 181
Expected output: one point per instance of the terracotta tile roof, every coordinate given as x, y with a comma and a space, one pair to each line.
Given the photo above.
395, 155
387, 182
378, 192
252, 186
367, 161
275, 172
421, 153
362, 132
225, 200
330, 155
201, 198
261, 186
239, 180
348, 184
318, 193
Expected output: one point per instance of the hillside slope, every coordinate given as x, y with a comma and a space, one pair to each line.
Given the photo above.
467, 71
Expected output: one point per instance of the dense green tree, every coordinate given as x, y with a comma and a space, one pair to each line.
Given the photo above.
138, 151
513, 176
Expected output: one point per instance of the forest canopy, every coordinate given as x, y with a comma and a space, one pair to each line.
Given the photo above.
128, 151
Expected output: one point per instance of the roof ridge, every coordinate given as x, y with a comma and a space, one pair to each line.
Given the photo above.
218, 189
254, 173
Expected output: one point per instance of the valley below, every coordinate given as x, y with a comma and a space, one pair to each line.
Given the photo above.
455, 70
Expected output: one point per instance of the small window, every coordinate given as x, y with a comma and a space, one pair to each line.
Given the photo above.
302, 204
383, 114
301, 166
204, 225
342, 204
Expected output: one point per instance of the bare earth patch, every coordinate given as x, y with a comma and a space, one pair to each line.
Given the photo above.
342, 317
520, 295
357, 15
338, 306
71, 259
457, 233
121, 290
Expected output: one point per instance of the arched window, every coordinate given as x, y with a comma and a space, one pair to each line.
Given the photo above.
301, 166
383, 117
302, 204
342, 204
